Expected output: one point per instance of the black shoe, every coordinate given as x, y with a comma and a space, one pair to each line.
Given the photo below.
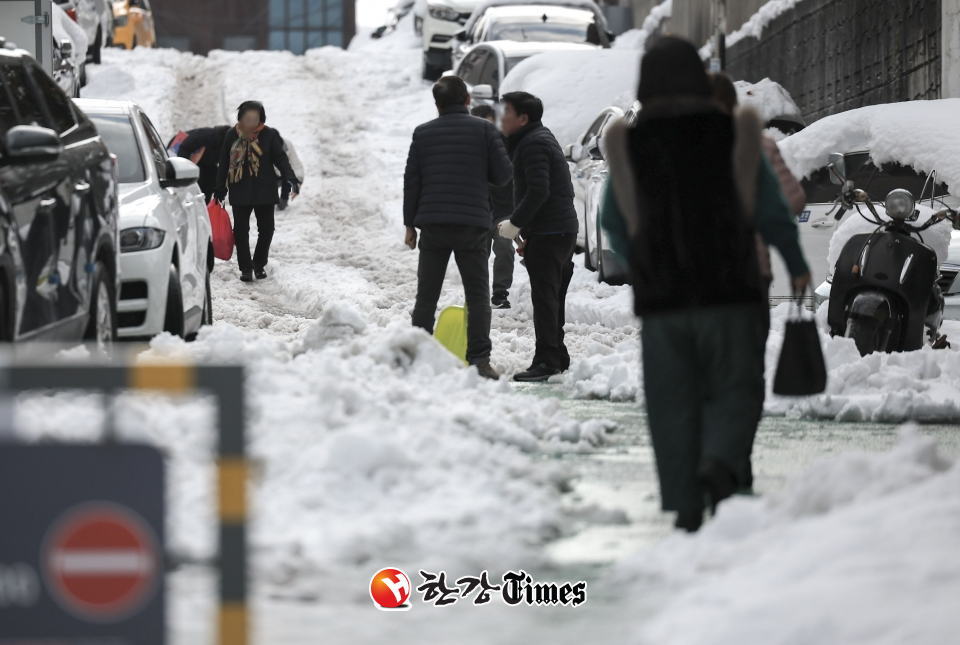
540, 372
689, 521
500, 304
718, 482
261, 274
486, 371
246, 276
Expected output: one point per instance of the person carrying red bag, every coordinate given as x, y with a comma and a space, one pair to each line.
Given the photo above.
250, 152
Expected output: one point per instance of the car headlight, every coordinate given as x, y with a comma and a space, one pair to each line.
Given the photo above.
140, 239
443, 13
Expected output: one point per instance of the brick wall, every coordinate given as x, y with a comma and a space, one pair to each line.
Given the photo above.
836, 55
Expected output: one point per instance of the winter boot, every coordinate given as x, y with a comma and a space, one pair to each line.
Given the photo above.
486, 370
689, 521
718, 482
261, 273
246, 276
541, 372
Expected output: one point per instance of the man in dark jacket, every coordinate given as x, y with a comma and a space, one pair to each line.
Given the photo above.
546, 220
501, 200
250, 152
203, 146
453, 161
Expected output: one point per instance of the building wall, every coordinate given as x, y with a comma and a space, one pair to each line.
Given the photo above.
836, 55
202, 25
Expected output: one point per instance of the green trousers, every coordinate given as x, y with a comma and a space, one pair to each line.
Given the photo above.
703, 379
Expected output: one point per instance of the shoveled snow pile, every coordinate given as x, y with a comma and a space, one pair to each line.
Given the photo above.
922, 385
576, 85
860, 549
758, 22
766, 97
636, 39
371, 444
921, 134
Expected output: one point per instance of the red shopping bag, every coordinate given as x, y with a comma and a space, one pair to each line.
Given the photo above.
222, 230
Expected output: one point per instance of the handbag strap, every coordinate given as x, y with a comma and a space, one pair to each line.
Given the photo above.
798, 300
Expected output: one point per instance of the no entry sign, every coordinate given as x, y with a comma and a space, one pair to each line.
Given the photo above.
101, 562
81, 545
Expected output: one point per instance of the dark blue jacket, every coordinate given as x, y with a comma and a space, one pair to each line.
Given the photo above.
453, 161
543, 189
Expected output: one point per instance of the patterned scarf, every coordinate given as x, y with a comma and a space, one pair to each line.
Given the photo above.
245, 151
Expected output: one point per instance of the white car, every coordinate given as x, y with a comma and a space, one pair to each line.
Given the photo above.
817, 224
95, 18
485, 67
567, 21
443, 19
166, 248
588, 170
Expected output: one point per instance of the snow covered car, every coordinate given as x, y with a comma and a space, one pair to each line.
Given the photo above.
573, 21
166, 249
589, 173
95, 18
487, 65
443, 19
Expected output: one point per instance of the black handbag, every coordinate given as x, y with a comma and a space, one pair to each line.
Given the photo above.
800, 370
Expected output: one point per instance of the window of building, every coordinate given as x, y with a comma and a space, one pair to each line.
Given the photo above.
299, 25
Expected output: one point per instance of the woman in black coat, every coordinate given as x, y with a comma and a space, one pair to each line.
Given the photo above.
250, 152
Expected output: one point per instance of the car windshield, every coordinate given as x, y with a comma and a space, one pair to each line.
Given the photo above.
117, 132
545, 28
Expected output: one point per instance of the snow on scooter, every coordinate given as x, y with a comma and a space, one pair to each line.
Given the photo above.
885, 294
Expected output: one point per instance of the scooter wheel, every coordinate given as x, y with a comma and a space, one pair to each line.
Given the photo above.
865, 332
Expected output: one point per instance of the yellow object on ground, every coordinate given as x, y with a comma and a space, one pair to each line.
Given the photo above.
132, 24
451, 331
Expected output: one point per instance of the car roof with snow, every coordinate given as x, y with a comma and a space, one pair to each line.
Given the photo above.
105, 106
513, 48
587, 5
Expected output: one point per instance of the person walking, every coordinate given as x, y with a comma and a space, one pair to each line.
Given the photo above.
501, 201
545, 219
202, 146
452, 162
689, 186
251, 150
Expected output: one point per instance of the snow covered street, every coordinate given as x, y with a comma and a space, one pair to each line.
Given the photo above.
375, 447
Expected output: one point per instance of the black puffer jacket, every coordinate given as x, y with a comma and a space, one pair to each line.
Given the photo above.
260, 189
210, 139
453, 161
542, 186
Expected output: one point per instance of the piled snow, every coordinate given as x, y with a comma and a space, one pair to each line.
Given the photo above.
923, 385
921, 134
758, 22
636, 39
766, 97
860, 549
576, 85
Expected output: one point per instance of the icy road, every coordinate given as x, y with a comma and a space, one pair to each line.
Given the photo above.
374, 448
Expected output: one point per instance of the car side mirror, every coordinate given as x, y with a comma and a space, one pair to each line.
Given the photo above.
32, 143
66, 49
593, 149
836, 167
484, 92
461, 35
180, 172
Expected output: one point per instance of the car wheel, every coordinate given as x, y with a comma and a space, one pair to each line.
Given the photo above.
94, 52
601, 274
173, 320
102, 328
133, 43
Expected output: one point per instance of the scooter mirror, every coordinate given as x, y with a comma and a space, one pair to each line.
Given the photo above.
837, 171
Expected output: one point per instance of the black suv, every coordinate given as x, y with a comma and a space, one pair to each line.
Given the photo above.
59, 258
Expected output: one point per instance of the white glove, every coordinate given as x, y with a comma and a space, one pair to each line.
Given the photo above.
508, 230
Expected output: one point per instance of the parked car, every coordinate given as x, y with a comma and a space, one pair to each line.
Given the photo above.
166, 249
485, 67
59, 261
817, 223
589, 172
95, 17
133, 24
570, 21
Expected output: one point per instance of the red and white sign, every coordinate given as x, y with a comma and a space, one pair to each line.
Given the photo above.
390, 589
101, 562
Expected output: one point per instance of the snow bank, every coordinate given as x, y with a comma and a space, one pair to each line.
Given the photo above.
923, 385
636, 39
576, 85
766, 97
859, 549
921, 134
